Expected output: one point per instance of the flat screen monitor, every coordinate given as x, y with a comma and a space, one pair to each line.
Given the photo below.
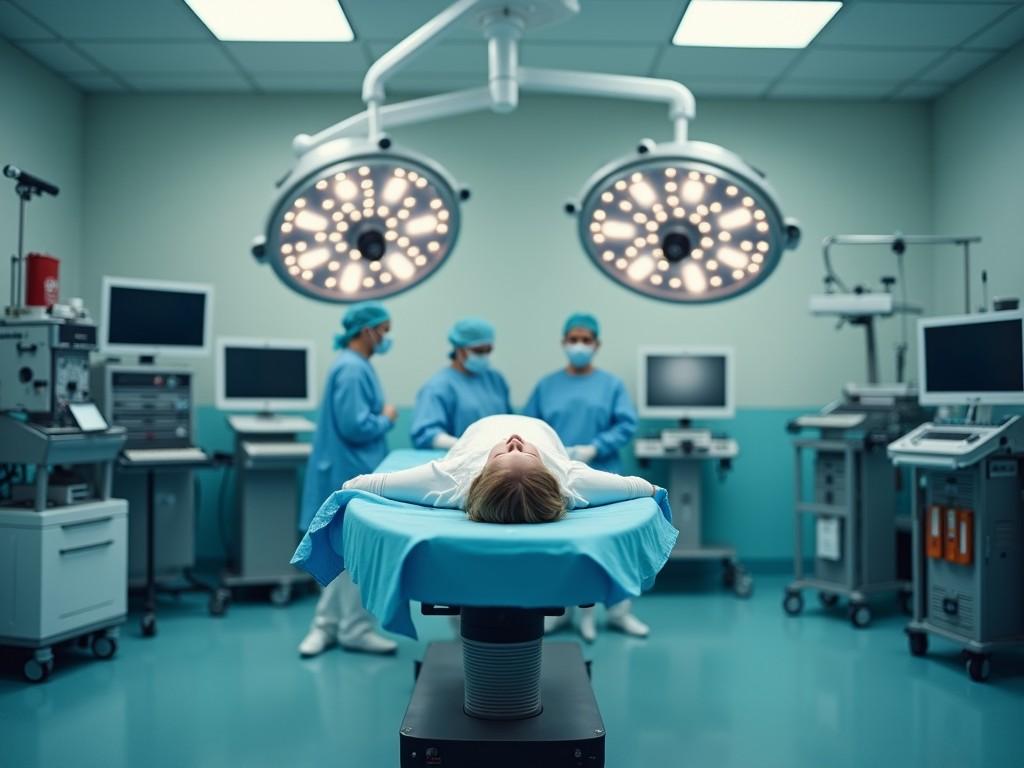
264, 375
686, 382
967, 359
155, 317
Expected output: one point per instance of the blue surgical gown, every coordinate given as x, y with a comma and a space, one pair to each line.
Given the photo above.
593, 409
451, 400
350, 432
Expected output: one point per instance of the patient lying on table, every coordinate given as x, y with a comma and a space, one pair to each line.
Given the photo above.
505, 469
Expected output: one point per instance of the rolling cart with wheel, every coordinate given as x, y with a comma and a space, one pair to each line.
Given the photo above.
687, 452
968, 538
857, 532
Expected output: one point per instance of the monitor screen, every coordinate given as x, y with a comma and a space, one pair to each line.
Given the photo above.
155, 317
974, 357
686, 381
265, 373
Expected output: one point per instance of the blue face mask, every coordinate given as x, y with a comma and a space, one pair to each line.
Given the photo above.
384, 345
579, 355
477, 363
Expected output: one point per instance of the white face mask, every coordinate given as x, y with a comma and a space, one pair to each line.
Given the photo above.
579, 354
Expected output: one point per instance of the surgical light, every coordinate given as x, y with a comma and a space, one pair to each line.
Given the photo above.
356, 220
699, 244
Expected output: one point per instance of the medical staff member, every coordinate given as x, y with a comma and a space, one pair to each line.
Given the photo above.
463, 392
349, 441
593, 415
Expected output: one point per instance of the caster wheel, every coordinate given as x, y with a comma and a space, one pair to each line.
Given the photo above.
148, 625
744, 586
219, 602
860, 616
793, 603
103, 647
281, 594
828, 599
907, 603
979, 667
36, 671
918, 643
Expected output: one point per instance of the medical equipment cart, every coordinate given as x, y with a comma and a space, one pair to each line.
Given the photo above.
687, 449
855, 499
968, 549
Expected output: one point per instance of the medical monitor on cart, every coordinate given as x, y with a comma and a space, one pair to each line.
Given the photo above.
264, 375
972, 359
155, 317
686, 383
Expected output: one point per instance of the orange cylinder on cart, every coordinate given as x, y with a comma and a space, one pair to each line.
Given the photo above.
952, 529
42, 282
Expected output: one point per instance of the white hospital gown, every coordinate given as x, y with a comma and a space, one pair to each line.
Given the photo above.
445, 482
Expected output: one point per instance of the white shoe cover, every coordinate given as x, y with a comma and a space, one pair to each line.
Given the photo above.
370, 642
316, 642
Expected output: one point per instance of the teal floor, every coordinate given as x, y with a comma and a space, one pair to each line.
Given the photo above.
720, 682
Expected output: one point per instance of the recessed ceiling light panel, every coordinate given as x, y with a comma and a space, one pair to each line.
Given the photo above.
274, 20
754, 23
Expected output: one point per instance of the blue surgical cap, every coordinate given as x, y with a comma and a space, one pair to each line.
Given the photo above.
582, 320
471, 332
359, 316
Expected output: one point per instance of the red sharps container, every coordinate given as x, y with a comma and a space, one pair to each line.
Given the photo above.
42, 285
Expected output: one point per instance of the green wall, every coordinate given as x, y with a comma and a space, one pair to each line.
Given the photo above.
41, 129
979, 178
178, 186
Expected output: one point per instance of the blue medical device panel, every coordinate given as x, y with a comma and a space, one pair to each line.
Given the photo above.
975, 357
686, 381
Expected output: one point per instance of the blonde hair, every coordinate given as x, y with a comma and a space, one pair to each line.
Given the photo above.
502, 494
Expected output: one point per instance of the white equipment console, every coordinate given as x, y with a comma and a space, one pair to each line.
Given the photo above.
951, 446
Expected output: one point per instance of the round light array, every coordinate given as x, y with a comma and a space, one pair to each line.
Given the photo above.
364, 228
681, 230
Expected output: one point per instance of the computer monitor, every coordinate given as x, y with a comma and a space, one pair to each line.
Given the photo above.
155, 317
972, 359
264, 375
686, 382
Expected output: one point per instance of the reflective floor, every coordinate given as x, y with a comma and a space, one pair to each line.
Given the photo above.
721, 682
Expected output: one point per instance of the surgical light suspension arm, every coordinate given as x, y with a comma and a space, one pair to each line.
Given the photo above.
404, 52
682, 105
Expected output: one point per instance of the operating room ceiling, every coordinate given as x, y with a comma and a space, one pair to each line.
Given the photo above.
870, 50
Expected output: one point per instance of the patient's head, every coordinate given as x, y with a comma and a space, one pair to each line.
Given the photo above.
515, 487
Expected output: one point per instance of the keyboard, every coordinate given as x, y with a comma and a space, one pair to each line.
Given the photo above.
831, 420
165, 455
271, 450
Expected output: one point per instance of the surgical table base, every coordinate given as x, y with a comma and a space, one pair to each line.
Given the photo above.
568, 732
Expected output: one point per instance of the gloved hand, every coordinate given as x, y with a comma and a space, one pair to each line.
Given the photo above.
584, 453
443, 441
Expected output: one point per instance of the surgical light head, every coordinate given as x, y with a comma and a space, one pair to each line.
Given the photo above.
684, 222
356, 220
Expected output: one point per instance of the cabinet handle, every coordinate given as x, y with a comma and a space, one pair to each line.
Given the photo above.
84, 547
97, 521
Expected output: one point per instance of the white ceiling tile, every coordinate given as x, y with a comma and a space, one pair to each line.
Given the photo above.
907, 25
161, 58
187, 82
15, 24
862, 65
58, 56
95, 82
622, 22
749, 88
118, 19
685, 63
617, 59
1006, 32
281, 58
308, 83
391, 20
462, 57
957, 65
926, 91
824, 89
